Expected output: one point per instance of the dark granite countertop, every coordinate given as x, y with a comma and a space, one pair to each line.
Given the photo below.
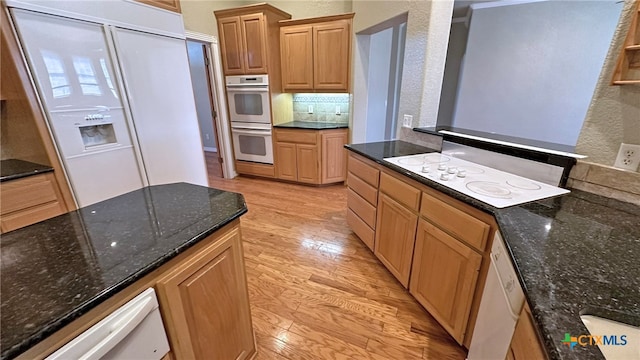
12, 169
574, 254
57, 270
312, 125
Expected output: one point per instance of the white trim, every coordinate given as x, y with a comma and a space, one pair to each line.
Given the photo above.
490, 4
520, 146
222, 125
192, 35
123, 14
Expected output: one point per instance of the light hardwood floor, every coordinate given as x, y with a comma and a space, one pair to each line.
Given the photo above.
316, 291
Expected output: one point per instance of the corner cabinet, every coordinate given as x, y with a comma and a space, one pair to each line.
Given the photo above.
310, 156
205, 303
245, 40
316, 53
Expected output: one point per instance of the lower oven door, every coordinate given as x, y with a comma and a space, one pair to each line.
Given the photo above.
253, 145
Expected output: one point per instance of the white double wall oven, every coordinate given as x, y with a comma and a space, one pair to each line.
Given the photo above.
250, 114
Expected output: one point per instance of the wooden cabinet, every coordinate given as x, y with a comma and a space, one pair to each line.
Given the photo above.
171, 5
628, 67
296, 54
311, 156
362, 198
246, 43
444, 277
395, 236
526, 343
316, 53
243, 44
205, 303
29, 200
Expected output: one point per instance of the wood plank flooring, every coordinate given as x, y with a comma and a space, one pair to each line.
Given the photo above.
316, 291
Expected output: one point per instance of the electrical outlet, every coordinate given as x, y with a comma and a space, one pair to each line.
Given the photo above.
310, 109
407, 121
338, 111
628, 157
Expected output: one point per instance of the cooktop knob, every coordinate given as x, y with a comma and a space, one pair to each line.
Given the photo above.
444, 177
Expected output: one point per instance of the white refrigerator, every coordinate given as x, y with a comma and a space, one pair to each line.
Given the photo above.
119, 103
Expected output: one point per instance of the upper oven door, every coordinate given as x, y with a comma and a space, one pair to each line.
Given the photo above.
249, 102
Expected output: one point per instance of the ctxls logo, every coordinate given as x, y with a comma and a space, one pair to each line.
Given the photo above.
590, 340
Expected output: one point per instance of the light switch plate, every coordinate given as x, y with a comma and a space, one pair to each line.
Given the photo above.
628, 157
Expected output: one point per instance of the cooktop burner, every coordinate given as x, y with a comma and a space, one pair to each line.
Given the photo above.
491, 189
494, 187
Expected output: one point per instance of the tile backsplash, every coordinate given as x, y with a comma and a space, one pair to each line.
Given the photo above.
324, 107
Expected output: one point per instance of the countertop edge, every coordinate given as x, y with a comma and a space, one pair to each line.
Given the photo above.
84, 308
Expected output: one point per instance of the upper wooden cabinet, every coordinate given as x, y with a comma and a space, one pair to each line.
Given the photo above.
248, 39
316, 53
171, 5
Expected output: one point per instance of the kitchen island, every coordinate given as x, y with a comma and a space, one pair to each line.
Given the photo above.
62, 275
575, 254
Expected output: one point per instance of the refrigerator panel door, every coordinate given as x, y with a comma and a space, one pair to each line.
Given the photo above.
100, 176
70, 60
158, 85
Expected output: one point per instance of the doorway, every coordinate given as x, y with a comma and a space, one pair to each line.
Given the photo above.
200, 67
382, 47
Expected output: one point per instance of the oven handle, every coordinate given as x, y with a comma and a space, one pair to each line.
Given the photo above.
247, 131
247, 89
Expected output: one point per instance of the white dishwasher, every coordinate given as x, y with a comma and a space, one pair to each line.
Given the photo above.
502, 301
133, 331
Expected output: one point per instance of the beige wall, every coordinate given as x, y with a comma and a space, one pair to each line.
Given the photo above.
428, 24
198, 14
614, 114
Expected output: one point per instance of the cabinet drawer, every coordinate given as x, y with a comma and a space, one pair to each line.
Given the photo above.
27, 192
363, 189
30, 216
400, 191
297, 136
456, 222
360, 228
362, 208
243, 167
365, 172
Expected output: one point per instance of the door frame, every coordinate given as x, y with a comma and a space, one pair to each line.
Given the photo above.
221, 122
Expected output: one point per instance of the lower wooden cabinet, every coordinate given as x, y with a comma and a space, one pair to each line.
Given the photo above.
395, 236
311, 156
525, 343
444, 276
29, 200
308, 163
205, 304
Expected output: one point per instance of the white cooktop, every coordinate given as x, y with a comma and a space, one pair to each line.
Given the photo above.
497, 188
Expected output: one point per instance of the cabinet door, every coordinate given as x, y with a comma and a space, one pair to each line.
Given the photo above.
395, 236
525, 343
286, 161
444, 277
231, 45
296, 56
254, 43
334, 157
308, 163
331, 52
205, 304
